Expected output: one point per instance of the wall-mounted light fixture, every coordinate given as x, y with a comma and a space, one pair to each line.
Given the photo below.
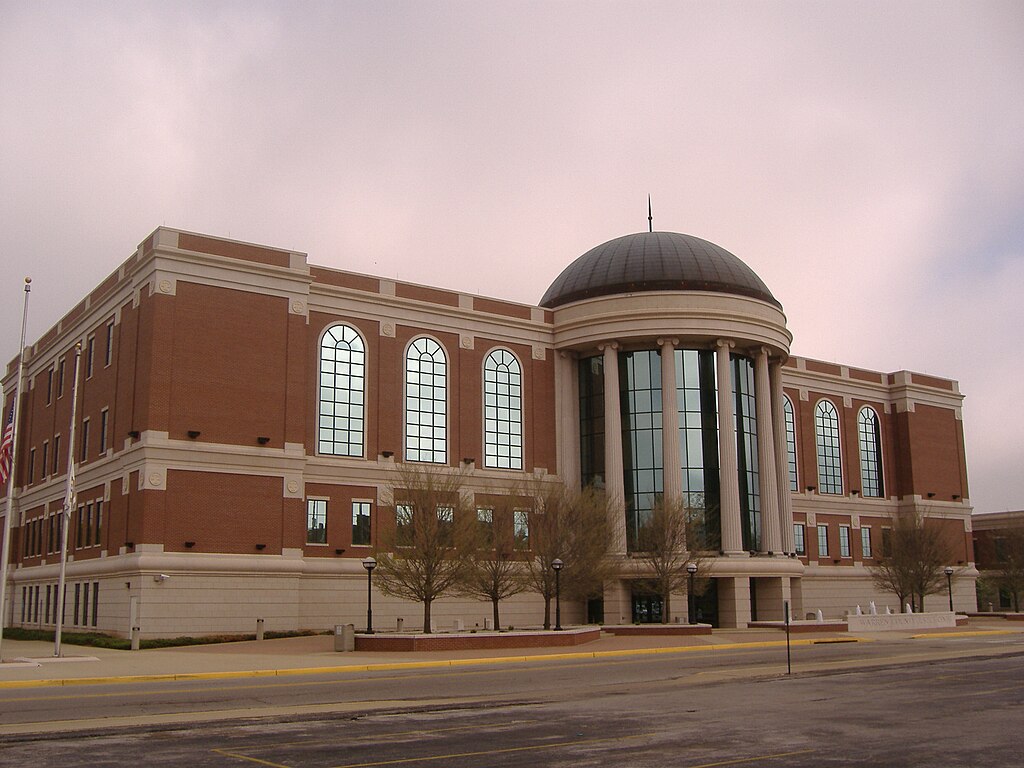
262, 440
261, 546
931, 494
467, 462
855, 491
134, 434
130, 544
339, 551
194, 433
160, 577
387, 454
189, 544
811, 488
956, 496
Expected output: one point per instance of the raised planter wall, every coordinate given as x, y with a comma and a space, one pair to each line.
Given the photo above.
460, 641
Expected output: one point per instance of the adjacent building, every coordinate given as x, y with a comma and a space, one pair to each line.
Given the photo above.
242, 413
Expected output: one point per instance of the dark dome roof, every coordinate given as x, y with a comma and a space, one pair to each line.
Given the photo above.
655, 261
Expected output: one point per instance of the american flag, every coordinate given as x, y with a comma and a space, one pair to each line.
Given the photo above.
7, 446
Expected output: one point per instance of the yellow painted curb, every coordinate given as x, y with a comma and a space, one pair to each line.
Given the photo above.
967, 633
399, 665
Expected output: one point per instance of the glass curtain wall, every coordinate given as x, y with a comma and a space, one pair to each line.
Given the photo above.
696, 401
642, 460
591, 393
746, 451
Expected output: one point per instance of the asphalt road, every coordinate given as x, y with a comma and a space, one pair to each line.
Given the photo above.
637, 711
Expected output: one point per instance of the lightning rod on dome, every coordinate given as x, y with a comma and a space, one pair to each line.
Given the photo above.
650, 218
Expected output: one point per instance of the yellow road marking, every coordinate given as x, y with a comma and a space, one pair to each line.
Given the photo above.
739, 760
249, 759
394, 666
966, 633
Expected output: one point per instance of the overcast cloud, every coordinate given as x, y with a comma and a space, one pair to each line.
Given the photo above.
865, 159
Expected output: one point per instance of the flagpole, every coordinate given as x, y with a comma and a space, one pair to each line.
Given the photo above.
69, 503
5, 554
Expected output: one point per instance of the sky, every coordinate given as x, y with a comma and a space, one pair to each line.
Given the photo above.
866, 159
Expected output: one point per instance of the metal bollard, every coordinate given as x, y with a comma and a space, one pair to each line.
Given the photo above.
259, 629
400, 624
135, 638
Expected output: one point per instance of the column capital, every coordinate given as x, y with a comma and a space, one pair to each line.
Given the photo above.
726, 343
664, 342
607, 345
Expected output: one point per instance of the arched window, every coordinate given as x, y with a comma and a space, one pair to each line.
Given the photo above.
503, 411
342, 392
826, 432
787, 407
869, 433
426, 402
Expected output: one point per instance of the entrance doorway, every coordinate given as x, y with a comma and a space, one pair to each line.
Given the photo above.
647, 608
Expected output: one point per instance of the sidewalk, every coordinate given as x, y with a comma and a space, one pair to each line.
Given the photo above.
31, 663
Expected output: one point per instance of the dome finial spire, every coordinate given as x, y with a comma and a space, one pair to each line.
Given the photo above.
650, 218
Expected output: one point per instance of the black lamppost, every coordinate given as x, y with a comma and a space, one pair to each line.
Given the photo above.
949, 585
557, 564
691, 568
369, 564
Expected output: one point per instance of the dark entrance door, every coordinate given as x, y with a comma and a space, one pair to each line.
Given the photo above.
646, 609
706, 604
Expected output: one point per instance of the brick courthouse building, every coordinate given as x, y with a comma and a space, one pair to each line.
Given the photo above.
242, 412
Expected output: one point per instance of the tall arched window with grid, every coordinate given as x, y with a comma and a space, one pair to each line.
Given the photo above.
342, 392
503, 411
869, 432
826, 433
426, 402
787, 407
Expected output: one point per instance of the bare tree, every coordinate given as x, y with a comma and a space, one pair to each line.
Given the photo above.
571, 526
914, 554
427, 551
671, 538
1009, 565
496, 571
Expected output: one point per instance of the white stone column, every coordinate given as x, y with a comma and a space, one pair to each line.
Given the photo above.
781, 457
613, 480
567, 408
771, 533
729, 506
672, 471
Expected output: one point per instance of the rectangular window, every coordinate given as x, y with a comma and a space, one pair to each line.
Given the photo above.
445, 518
80, 530
316, 521
31, 464
822, 541
49, 386
865, 542
104, 423
95, 602
85, 605
84, 450
56, 454
485, 522
90, 356
886, 541
60, 378
78, 598
88, 524
24, 602
50, 530
46, 456
361, 523
521, 528
844, 541
46, 614
798, 539
98, 528
108, 355
403, 524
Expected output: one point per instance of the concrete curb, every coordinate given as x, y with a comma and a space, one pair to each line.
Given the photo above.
966, 633
392, 666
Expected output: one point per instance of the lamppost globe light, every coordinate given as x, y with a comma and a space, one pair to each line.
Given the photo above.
369, 564
948, 570
691, 568
556, 565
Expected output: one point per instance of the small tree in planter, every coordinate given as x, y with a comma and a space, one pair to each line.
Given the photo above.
496, 571
425, 554
914, 554
571, 526
671, 538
